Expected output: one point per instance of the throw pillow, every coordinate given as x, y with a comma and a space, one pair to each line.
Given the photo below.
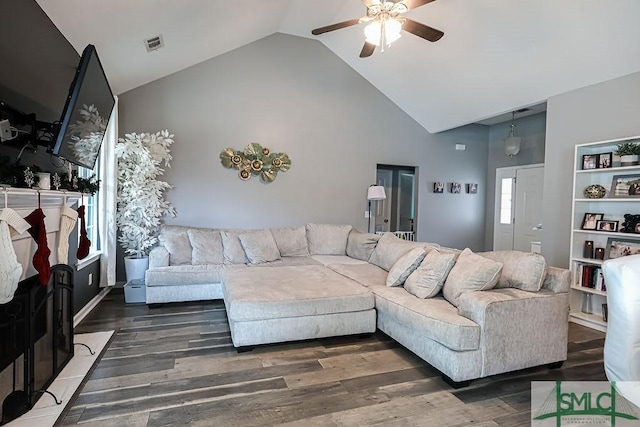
405, 266
430, 275
360, 245
291, 241
207, 246
178, 246
471, 272
259, 246
389, 250
232, 248
521, 270
327, 239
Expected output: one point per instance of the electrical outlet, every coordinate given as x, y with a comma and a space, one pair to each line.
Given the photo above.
5, 130
90, 279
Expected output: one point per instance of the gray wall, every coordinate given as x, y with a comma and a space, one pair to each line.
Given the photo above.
532, 130
599, 112
293, 95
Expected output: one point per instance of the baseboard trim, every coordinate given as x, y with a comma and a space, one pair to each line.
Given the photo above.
90, 306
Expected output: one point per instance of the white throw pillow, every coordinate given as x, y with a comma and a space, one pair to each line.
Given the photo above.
291, 241
207, 247
471, 272
259, 246
328, 239
178, 246
405, 266
232, 248
431, 274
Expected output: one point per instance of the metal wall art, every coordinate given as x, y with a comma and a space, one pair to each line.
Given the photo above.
255, 160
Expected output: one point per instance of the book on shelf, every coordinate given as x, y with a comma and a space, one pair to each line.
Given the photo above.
590, 276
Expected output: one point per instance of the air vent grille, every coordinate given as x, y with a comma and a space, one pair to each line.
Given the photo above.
154, 43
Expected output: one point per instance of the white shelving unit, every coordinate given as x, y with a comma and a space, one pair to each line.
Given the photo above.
613, 208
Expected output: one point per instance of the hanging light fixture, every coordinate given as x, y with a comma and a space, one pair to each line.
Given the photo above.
512, 143
386, 27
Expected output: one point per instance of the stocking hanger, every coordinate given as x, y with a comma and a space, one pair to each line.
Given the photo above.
38, 199
6, 197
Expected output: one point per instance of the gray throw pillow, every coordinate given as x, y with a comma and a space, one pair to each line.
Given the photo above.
178, 246
232, 248
431, 274
471, 272
327, 239
521, 270
405, 266
360, 245
207, 246
259, 246
291, 241
389, 250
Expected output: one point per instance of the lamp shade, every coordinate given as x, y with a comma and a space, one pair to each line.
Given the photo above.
376, 192
512, 145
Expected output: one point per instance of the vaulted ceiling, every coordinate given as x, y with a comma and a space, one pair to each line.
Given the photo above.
496, 55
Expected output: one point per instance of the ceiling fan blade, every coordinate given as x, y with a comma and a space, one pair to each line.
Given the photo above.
422, 30
334, 27
367, 50
412, 4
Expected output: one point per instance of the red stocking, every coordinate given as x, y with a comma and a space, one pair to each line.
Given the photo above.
39, 234
85, 243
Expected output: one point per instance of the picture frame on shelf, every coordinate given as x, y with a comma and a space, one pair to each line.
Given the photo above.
607, 225
618, 247
590, 221
589, 161
625, 186
605, 160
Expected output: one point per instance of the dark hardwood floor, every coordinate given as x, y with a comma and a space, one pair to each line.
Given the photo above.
175, 365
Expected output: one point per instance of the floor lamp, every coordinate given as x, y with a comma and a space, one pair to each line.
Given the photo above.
375, 192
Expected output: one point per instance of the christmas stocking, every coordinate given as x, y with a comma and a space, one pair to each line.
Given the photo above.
85, 243
10, 268
39, 234
68, 219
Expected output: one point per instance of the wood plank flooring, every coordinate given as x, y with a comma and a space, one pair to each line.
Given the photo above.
175, 365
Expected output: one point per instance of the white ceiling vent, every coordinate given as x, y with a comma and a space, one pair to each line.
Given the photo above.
154, 43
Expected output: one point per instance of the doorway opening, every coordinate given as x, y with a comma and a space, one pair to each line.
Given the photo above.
397, 213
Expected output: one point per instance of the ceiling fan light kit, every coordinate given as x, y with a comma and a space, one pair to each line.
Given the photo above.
384, 24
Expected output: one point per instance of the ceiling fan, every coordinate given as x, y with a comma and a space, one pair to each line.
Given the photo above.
385, 23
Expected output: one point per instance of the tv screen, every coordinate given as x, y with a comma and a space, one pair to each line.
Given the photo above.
86, 113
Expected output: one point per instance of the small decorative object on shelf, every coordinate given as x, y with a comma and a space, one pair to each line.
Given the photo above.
628, 152
595, 191
625, 185
588, 249
587, 304
631, 224
599, 253
29, 177
55, 181
605, 312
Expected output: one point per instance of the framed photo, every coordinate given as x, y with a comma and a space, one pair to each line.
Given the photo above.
438, 187
456, 187
606, 225
590, 221
617, 247
625, 186
590, 161
472, 188
605, 160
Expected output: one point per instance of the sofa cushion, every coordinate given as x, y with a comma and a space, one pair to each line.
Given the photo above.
187, 274
289, 261
336, 259
178, 246
291, 241
207, 246
390, 248
434, 318
279, 292
405, 265
521, 270
471, 272
327, 239
259, 246
232, 248
368, 275
360, 245
431, 274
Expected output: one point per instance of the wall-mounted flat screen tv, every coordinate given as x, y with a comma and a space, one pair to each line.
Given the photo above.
86, 113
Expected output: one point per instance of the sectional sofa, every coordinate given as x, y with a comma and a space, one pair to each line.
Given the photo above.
470, 315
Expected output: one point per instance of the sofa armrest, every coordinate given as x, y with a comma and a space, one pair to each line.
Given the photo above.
519, 329
158, 257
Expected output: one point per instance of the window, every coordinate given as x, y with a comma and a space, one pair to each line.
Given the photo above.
91, 207
506, 201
